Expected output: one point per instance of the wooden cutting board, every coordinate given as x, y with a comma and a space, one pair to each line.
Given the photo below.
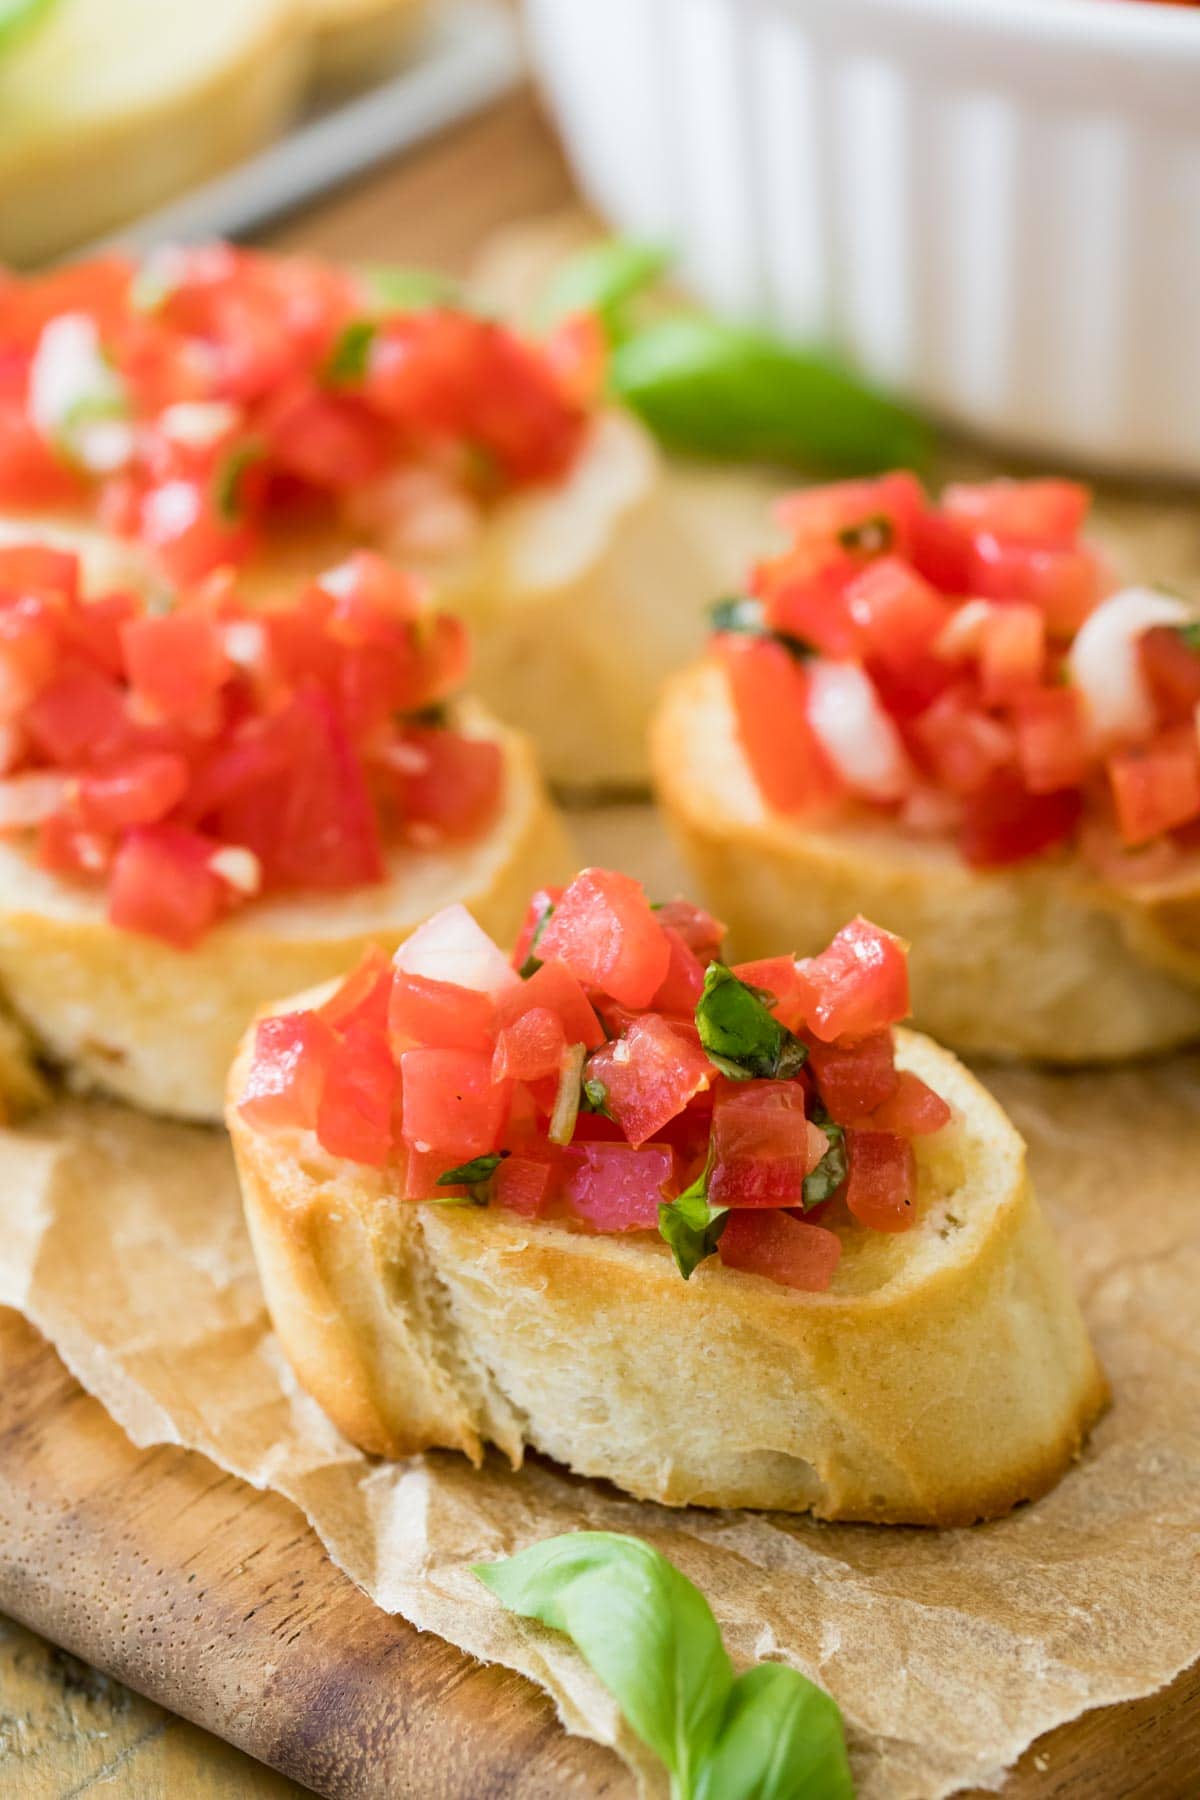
217, 1601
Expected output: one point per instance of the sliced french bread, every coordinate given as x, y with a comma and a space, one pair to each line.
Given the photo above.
945, 1376
1041, 960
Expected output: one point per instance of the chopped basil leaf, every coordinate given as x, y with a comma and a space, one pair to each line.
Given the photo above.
435, 717
869, 537
533, 963
745, 617
824, 1181
475, 1176
740, 1035
228, 480
1190, 633
390, 287
603, 279
595, 1098
348, 359
650, 1637
691, 1224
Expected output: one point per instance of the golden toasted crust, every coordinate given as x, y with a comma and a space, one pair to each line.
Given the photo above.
1039, 961
944, 1377
359, 40
158, 1027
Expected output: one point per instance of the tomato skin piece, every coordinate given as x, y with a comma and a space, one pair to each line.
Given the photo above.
440, 1015
451, 1102
650, 1074
913, 1109
457, 792
1050, 511
1156, 787
881, 1188
531, 1048
860, 982
1007, 824
603, 929
354, 1117
769, 691
163, 886
135, 792
854, 1080
292, 1053
555, 987
791, 1251
1051, 739
363, 998
616, 1187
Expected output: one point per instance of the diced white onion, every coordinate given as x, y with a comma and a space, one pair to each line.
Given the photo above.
452, 947
855, 732
1105, 666
76, 398
239, 868
962, 634
169, 510
28, 799
197, 423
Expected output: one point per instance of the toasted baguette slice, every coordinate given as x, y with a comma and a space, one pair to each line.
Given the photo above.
1041, 960
158, 1027
110, 107
581, 599
356, 40
945, 1376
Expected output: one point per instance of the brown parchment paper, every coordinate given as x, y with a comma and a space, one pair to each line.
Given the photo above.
122, 1240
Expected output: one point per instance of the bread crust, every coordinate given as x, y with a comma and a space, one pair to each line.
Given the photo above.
158, 1027
945, 1377
359, 40
1042, 960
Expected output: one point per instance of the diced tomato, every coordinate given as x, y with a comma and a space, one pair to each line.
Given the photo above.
456, 790
769, 691
790, 1251
176, 664
805, 598
779, 977
1172, 667
577, 351
1049, 511
603, 929
440, 1015
421, 1172
135, 792
451, 1102
913, 1110
1156, 787
524, 1183
881, 1188
363, 998
540, 906
1051, 737
1012, 652
850, 509
1064, 584
962, 746
292, 1053
854, 1080
32, 567
78, 718
684, 980
941, 552
702, 934
162, 884
762, 1145
860, 983
354, 1117
1005, 823
531, 1047
649, 1076
555, 987
615, 1187
68, 849
29, 654
898, 615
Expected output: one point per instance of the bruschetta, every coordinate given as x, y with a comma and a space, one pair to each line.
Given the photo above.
720, 1235
219, 406
949, 717
202, 803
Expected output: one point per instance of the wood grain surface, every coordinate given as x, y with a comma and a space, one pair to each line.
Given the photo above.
216, 1601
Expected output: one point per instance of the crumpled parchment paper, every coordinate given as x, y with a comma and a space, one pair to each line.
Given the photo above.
122, 1240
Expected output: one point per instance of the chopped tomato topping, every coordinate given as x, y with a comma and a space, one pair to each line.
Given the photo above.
770, 698
446, 1062
275, 738
1156, 786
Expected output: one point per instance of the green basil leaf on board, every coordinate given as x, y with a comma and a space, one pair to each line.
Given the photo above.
824, 1181
740, 1035
724, 390
603, 279
651, 1639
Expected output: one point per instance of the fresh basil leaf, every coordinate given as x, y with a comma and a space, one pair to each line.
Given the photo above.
824, 1181
595, 1099
480, 1168
745, 617
726, 390
780, 1738
692, 1225
348, 359
603, 279
227, 490
1190, 633
740, 1035
643, 1629
390, 287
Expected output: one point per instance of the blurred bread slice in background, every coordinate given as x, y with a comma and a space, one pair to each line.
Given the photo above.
356, 40
110, 107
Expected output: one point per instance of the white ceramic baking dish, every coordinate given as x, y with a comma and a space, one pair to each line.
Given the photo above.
993, 205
